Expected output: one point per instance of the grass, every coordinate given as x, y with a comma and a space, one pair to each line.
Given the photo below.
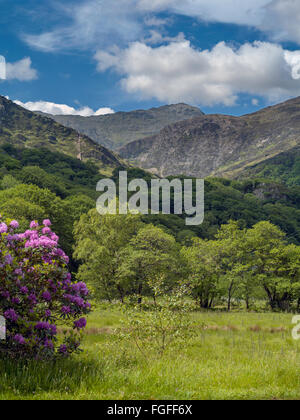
231, 356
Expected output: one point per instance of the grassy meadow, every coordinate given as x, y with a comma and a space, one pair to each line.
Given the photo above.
231, 356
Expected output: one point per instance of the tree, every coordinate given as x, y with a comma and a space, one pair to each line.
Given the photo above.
275, 264
231, 239
99, 243
202, 270
8, 181
151, 256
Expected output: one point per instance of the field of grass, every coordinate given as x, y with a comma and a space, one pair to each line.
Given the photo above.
231, 356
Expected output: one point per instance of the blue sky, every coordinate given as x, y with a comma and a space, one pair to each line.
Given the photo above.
227, 56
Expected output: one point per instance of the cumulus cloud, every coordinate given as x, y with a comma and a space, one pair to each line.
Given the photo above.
178, 72
61, 109
21, 70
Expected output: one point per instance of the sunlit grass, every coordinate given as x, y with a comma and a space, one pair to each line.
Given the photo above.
232, 356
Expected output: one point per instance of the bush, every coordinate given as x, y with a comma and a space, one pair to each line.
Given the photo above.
37, 294
160, 325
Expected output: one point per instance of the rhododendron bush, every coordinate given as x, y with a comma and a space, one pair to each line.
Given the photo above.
37, 293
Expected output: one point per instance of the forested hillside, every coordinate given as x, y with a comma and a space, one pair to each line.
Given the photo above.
62, 188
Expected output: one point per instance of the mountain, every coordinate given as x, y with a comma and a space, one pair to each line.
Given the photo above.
115, 130
219, 145
22, 128
283, 168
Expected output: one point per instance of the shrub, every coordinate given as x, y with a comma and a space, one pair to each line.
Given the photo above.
37, 294
160, 325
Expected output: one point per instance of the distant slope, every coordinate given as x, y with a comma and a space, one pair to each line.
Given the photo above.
22, 128
284, 168
115, 130
218, 144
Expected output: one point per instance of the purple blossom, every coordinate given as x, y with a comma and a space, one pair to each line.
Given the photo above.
34, 258
47, 296
18, 338
3, 228
48, 344
66, 310
46, 231
14, 224
8, 259
34, 224
48, 313
16, 301
80, 324
32, 299
24, 290
63, 349
11, 315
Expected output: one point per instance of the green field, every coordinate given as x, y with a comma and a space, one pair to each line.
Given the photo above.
231, 356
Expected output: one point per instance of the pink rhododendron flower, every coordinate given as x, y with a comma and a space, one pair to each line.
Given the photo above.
37, 293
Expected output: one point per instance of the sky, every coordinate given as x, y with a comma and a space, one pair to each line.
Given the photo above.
93, 57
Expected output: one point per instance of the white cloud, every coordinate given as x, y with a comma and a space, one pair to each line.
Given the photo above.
21, 70
100, 23
61, 109
282, 20
178, 72
104, 111
278, 18
154, 21
156, 37
245, 12
94, 23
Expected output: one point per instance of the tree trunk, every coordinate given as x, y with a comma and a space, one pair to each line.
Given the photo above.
121, 292
140, 294
247, 303
229, 297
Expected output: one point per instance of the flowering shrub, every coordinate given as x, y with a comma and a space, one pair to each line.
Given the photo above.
37, 294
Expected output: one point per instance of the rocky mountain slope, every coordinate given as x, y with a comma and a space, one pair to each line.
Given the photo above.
116, 130
219, 144
23, 128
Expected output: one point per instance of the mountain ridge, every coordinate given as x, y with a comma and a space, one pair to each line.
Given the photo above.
23, 128
115, 130
218, 145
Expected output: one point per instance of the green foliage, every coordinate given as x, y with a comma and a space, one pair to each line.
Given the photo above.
284, 168
159, 325
100, 241
152, 255
8, 181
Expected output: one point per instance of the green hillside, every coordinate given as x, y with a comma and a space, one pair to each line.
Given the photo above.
22, 128
285, 168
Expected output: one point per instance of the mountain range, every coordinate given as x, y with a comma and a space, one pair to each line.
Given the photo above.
221, 145
264, 144
116, 130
